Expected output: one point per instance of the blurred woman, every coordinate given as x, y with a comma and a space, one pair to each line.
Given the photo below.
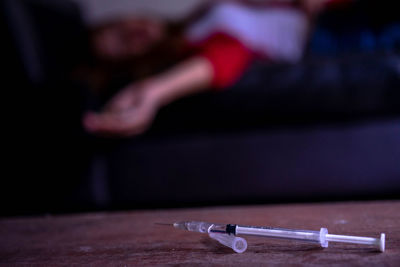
213, 51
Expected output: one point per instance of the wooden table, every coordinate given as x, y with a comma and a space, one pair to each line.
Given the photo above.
132, 238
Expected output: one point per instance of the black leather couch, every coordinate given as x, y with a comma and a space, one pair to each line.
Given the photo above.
319, 130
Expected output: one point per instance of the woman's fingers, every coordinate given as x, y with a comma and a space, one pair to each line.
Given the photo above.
130, 112
124, 123
123, 100
105, 122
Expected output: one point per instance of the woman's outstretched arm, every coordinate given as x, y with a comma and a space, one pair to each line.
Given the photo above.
219, 63
133, 109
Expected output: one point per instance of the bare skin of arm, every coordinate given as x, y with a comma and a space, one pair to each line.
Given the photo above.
134, 108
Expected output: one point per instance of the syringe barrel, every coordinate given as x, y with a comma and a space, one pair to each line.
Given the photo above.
301, 235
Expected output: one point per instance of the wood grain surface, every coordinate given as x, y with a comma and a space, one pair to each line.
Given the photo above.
131, 237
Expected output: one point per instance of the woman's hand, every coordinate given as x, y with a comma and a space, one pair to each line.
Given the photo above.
128, 113
132, 111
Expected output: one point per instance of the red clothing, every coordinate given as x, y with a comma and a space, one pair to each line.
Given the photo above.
232, 33
228, 57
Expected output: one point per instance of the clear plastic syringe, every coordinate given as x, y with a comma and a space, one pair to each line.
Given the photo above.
320, 237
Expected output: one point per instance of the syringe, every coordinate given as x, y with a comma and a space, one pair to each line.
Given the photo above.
321, 237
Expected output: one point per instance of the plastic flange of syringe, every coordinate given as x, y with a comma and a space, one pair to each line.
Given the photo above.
325, 238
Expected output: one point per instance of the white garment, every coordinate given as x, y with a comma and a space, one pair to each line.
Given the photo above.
277, 32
